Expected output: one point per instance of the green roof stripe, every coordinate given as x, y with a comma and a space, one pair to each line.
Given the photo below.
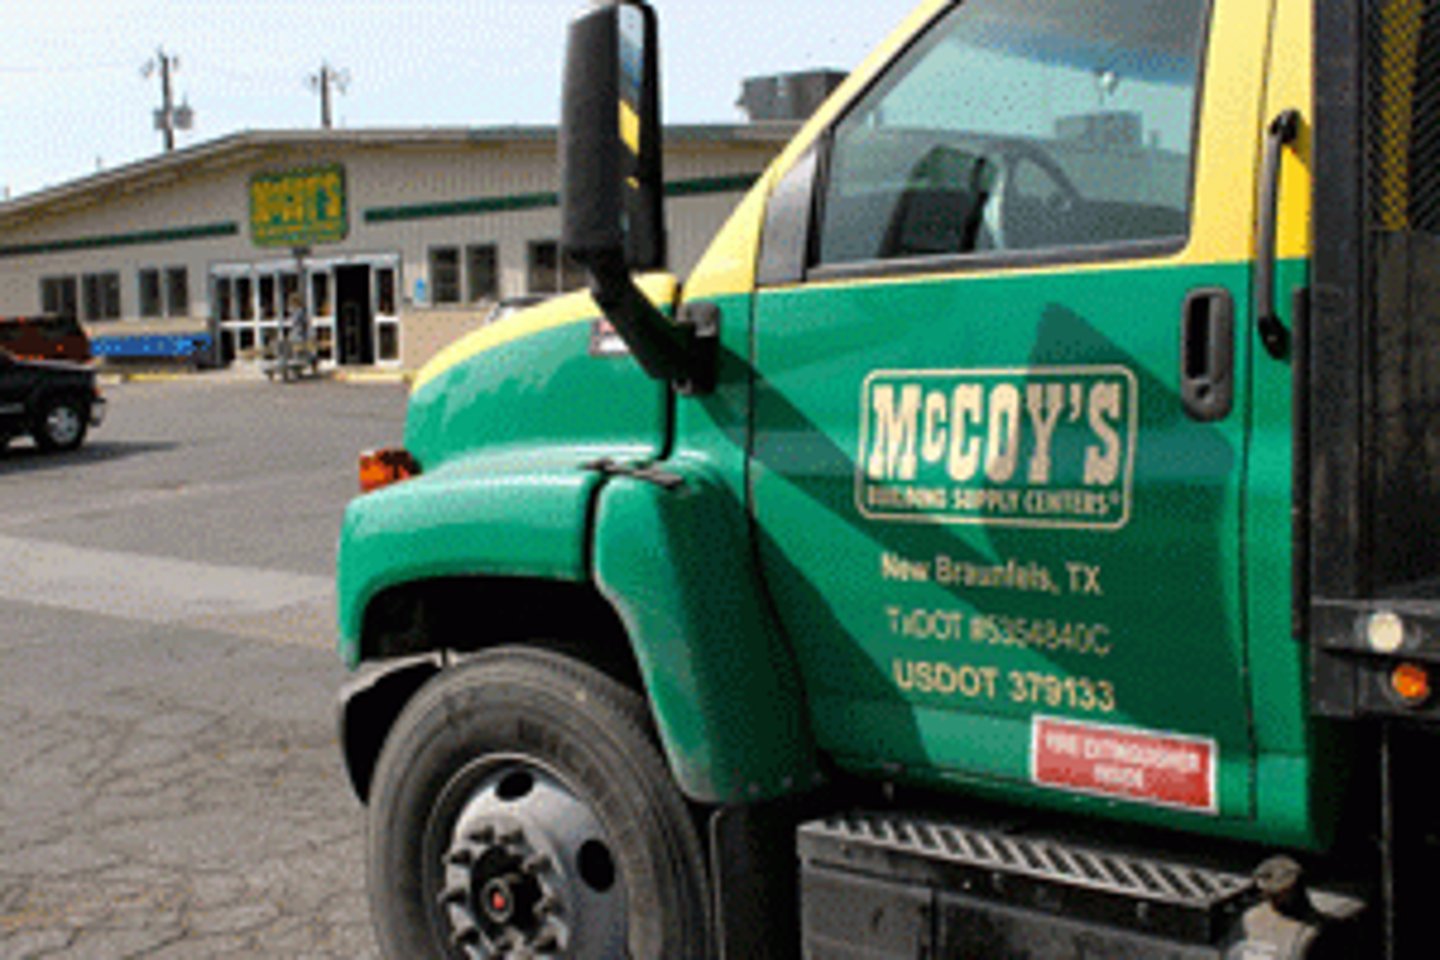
463, 208
481, 206
177, 234
708, 185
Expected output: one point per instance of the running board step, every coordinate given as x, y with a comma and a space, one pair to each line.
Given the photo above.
917, 865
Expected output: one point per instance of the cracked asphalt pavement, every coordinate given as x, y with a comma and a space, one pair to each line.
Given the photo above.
170, 782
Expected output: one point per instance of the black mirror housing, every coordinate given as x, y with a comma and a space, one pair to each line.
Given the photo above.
612, 178
612, 186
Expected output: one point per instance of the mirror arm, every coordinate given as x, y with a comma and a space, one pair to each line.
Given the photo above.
665, 350
612, 190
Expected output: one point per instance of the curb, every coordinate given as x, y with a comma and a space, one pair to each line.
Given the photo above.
374, 376
362, 377
154, 377
115, 377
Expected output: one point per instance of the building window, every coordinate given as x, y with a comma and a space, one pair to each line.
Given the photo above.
60, 296
102, 296
444, 275
289, 287
482, 274
225, 299
552, 272
267, 297
320, 294
388, 347
149, 293
177, 292
385, 291
244, 299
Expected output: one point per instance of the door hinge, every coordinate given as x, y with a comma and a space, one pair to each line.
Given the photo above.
647, 472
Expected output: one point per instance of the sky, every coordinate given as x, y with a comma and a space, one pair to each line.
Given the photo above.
73, 99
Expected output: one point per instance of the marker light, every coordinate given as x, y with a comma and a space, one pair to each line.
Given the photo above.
1411, 684
1385, 632
381, 468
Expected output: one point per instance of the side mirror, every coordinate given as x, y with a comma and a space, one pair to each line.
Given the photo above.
612, 186
611, 163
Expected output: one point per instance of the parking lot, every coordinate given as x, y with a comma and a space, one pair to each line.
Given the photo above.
170, 785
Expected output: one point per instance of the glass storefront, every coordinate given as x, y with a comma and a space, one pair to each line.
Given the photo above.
352, 303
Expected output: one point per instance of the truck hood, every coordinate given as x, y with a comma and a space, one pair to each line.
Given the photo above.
547, 377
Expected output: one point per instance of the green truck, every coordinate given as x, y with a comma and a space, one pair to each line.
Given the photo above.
1019, 537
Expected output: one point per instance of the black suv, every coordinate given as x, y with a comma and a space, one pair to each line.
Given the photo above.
54, 402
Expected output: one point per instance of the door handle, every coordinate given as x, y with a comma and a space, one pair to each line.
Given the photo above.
1283, 131
1207, 355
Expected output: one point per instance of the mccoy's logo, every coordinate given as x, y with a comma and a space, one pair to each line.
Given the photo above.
1038, 447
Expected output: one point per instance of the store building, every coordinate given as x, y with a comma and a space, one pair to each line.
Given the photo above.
396, 240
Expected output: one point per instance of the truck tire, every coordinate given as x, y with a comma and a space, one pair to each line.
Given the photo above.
521, 804
61, 423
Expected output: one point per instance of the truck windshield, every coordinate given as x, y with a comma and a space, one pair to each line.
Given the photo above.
1052, 123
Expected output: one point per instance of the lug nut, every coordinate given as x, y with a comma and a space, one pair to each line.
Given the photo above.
547, 905
453, 896
467, 935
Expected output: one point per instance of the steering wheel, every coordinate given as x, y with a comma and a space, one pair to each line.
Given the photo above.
1000, 211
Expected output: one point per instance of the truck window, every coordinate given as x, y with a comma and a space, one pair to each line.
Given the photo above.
1052, 124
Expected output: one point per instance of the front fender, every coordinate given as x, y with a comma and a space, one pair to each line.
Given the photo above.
675, 562
501, 513
368, 707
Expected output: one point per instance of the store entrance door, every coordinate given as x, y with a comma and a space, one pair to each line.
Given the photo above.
355, 316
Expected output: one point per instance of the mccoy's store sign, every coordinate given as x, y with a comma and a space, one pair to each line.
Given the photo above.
299, 207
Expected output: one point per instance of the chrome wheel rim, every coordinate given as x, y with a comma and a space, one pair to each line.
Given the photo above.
528, 869
62, 424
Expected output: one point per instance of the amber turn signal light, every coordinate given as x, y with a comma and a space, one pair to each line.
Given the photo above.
381, 468
1411, 684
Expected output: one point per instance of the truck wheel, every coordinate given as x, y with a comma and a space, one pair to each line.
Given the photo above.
522, 808
61, 424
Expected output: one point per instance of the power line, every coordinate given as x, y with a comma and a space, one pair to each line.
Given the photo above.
56, 69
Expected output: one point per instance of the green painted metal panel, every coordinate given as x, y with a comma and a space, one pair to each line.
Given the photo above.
987, 522
483, 515
542, 390
1302, 762
721, 681
503, 438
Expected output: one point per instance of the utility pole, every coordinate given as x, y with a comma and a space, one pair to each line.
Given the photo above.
322, 82
168, 118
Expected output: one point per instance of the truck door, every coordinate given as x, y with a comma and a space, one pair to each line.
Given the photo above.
1000, 448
